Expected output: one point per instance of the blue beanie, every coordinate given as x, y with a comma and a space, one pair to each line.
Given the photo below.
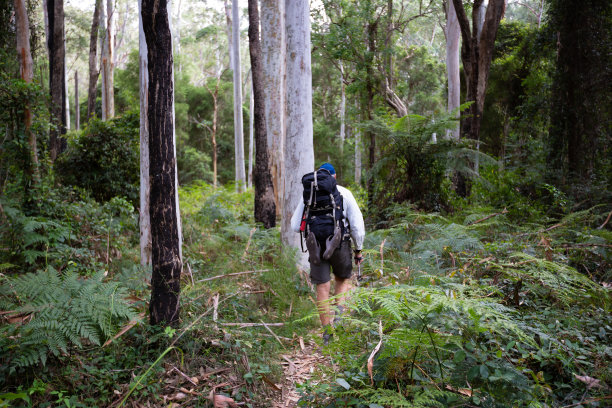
328, 167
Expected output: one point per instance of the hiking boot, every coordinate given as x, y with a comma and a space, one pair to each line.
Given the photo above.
314, 249
332, 243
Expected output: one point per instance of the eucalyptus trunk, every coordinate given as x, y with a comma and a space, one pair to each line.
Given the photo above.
164, 211
57, 76
274, 47
298, 148
453, 36
77, 108
265, 209
93, 66
238, 126
26, 70
107, 62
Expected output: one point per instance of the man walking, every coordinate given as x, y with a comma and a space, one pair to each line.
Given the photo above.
340, 261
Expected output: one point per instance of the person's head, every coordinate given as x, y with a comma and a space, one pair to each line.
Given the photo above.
329, 168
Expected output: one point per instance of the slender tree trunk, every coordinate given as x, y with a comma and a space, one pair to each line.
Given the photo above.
57, 76
299, 152
77, 108
93, 66
274, 47
67, 98
228, 29
342, 111
238, 128
165, 224
358, 149
453, 35
145, 187
108, 92
251, 133
371, 35
265, 209
26, 70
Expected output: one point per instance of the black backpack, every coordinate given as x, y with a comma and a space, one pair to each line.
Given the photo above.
323, 206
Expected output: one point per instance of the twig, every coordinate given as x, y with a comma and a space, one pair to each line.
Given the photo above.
606, 221
252, 324
125, 329
248, 243
272, 333
190, 274
215, 307
382, 261
583, 245
505, 211
543, 230
373, 353
231, 274
588, 401
183, 375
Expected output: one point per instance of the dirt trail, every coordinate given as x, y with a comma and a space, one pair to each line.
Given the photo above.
298, 367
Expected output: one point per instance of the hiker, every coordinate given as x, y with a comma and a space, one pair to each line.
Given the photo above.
331, 248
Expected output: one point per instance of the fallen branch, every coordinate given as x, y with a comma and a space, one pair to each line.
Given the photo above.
272, 333
231, 274
505, 211
606, 221
584, 245
373, 353
252, 324
185, 376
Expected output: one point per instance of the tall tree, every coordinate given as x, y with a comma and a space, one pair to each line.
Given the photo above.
251, 133
298, 147
164, 211
452, 33
26, 70
77, 108
265, 208
57, 76
145, 187
238, 127
93, 66
107, 62
478, 42
273, 42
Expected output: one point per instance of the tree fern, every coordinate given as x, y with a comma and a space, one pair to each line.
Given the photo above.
67, 311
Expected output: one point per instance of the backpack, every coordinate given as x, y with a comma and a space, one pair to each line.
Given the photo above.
323, 210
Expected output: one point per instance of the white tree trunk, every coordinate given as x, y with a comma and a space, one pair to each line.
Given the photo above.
480, 17
299, 152
251, 133
107, 21
66, 99
238, 129
77, 108
358, 149
228, 27
273, 48
480, 20
177, 36
453, 35
145, 186
342, 110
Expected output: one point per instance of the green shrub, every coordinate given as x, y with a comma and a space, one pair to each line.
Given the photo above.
104, 159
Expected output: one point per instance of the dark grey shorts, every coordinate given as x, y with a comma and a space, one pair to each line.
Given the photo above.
341, 263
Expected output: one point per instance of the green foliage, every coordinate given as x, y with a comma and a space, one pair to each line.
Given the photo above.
104, 159
61, 311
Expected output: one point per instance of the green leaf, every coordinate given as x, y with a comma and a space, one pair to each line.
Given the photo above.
342, 382
459, 356
484, 371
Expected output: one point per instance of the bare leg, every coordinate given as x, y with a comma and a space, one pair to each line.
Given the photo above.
323, 303
342, 286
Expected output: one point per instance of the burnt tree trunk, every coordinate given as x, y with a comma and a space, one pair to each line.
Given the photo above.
265, 208
93, 70
57, 76
166, 254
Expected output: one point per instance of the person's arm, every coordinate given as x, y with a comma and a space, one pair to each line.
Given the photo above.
296, 219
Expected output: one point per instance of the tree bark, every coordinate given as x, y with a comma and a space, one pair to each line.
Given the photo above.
342, 110
66, 93
93, 70
26, 70
164, 212
145, 187
453, 35
251, 133
57, 76
238, 127
358, 148
265, 208
77, 108
107, 61
298, 147
274, 49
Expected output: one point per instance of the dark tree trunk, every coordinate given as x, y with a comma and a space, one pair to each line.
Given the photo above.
370, 85
57, 76
167, 264
93, 70
476, 54
265, 207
